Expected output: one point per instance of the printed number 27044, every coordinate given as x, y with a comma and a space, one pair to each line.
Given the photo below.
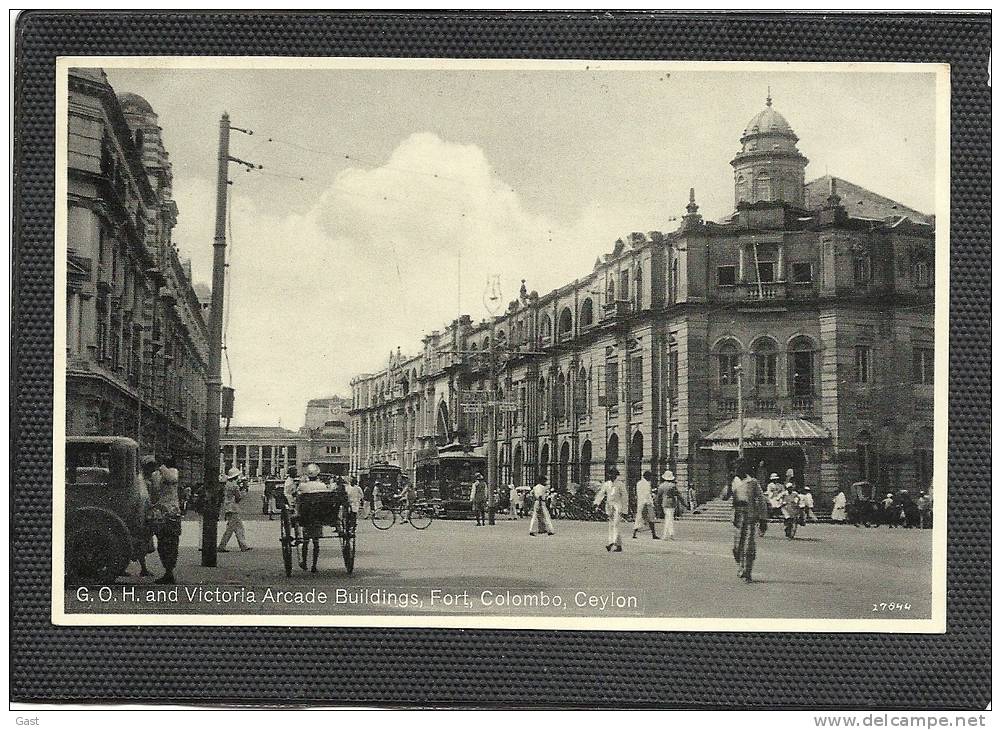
890, 606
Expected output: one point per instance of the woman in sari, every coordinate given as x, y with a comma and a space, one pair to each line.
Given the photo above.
750, 513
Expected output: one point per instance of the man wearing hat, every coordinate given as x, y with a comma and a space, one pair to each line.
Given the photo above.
232, 494
806, 502
478, 498
645, 514
774, 492
668, 496
312, 485
613, 494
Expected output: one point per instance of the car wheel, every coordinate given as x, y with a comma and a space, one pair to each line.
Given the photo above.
95, 554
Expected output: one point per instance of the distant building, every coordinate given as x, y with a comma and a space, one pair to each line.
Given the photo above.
136, 341
819, 295
261, 451
327, 434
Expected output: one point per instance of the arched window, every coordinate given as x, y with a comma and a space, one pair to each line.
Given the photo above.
586, 313
561, 406
585, 463
727, 362
566, 324
612, 451
610, 291
802, 363
765, 352
581, 406
544, 460
638, 278
741, 188
545, 327
486, 344
543, 400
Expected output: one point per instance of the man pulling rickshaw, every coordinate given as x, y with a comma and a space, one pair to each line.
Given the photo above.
309, 506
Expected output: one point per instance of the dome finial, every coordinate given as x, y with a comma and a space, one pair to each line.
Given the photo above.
768, 99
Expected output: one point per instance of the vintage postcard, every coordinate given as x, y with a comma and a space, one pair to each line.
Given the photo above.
502, 344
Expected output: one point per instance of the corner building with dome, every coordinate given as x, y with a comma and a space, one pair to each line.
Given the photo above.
820, 293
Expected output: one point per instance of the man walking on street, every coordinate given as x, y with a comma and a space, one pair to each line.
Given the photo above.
478, 498
540, 512
668, 496
645, 514
232, 495
613, 494
790, 510
750, 514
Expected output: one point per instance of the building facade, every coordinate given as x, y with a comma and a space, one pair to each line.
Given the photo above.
261, 451
326, 434
136, 341
811, 307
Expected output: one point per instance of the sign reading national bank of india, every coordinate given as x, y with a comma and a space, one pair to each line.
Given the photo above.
663, 349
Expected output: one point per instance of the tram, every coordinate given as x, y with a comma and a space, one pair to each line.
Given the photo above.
446, 474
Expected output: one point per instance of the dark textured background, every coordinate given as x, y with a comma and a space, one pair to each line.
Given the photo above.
451, 667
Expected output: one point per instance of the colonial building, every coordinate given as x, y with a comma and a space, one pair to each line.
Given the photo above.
261, 451
136, 342
810, 308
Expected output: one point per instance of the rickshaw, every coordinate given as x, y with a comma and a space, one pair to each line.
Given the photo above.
313, 512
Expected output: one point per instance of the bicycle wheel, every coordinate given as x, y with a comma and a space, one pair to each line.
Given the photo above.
383, 518
347, 535
287, 539
420, 518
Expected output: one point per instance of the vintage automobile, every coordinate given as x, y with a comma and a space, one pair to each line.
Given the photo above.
106, 501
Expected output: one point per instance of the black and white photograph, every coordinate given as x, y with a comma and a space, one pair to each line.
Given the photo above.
590, 345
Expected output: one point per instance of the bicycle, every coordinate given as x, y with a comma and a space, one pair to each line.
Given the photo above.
420, 515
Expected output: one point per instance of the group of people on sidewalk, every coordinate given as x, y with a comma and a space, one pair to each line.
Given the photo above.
785, 500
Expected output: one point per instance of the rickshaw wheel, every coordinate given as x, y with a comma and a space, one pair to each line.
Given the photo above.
287, 540
348, 524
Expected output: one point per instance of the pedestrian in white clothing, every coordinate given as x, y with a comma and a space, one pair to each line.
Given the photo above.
540, 512
668, 496
645, 514
613, 493
512, 498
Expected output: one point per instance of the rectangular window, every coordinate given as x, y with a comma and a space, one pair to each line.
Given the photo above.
764, 368
766, 271
672, 366
802, 273
863, 363
922, 274
611, 383
726, 275
635, 379
924, 366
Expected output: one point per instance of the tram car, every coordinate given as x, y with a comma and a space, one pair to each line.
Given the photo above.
446, 476
386, 475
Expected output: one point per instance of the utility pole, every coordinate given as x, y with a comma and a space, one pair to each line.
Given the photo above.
213, 381
740, 412
492, 485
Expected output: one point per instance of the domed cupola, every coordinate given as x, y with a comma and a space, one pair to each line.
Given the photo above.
769, 167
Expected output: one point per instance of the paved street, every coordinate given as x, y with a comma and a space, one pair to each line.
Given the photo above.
827, 572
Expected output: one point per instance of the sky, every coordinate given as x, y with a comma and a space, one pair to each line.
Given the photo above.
409, 177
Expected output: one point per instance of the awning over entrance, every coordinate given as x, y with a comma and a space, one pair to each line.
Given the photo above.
763, 433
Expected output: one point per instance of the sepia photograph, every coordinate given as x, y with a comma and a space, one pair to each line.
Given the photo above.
592, 345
